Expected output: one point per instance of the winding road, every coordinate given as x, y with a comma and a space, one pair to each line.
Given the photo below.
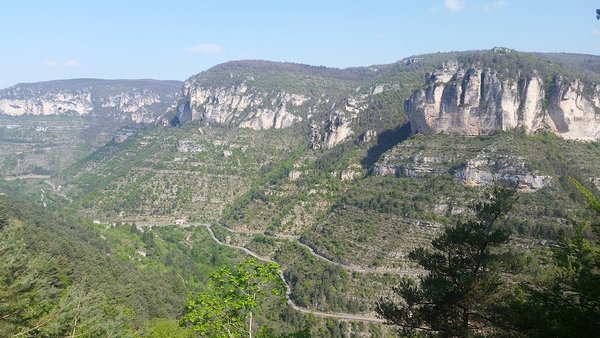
351, 268
288, 291
354, 268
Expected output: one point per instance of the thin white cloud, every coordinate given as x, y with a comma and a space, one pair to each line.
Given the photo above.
71, 63
596, 32
454, 5
494, 6
206, 48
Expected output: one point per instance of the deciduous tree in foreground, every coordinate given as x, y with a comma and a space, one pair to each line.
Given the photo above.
225, 308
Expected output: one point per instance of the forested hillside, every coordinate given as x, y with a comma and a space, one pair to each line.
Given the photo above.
63, 275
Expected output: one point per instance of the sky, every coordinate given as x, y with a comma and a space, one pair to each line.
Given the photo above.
132, 39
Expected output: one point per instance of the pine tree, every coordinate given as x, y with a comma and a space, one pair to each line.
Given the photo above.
456, 297
564, 300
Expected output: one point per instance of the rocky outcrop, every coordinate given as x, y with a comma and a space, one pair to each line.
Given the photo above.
74, 102
141, 101
571, 113
484, 169
510, 170
337, 128
294, 175
333, 131
273, 95
244, 106
240, 106
473, 100
414, 166
136, 104
368, 136
352, 172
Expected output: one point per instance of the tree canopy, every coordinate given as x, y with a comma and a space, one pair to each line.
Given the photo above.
564, 299
225, 308
465, 263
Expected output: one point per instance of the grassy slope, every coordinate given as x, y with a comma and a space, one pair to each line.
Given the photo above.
376, 220
152, 177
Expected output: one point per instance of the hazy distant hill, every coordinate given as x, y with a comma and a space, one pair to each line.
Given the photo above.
46, 126
134, 100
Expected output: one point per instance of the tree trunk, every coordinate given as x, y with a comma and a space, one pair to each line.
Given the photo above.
250, 326
76, 318
465, 318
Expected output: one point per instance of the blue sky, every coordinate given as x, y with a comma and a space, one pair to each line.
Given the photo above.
44, 40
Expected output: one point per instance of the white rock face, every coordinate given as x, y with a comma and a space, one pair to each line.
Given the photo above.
337, 131
596, 181
338, 126
476, 101
573, 115
418, 166
368, 136
294, 175
77, 102
130, 102
508, 169
352, 172
484, 169
245, 103
378, 89
141, 101
240, 106
133, 103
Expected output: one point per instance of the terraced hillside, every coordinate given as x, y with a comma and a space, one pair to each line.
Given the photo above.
423, 183
381, 217
46, 127
188, 173
41, 146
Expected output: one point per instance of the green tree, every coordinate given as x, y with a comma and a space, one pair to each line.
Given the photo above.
166, 328
564, 300
456, 297
225, 308
35, 300
27, 287
84, 312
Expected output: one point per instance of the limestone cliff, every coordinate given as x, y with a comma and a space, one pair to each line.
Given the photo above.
141, 101
263, 95
243, 106
476, 100
337, 125
240, 106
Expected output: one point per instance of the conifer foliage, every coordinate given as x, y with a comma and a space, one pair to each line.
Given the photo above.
564, 299
457, 295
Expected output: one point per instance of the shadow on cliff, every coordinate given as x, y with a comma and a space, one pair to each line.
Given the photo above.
386, 140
